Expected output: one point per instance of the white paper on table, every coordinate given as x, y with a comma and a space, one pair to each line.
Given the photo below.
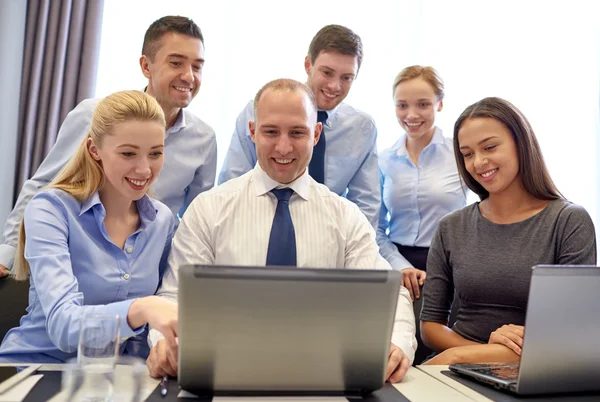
123, 386
20, 391
186, 394
122, 390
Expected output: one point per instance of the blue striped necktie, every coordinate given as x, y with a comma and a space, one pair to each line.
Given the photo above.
282, 242
316, 167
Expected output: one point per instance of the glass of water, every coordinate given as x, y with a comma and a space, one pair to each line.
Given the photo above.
79, 385
97, 355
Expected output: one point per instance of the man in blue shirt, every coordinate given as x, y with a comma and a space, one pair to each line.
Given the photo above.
347, 148
172, 60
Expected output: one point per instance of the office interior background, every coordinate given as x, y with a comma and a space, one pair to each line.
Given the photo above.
543, 56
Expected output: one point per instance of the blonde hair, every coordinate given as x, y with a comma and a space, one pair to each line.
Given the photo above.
82, 176
429, 74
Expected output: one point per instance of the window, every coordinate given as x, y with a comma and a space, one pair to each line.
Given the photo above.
541, 56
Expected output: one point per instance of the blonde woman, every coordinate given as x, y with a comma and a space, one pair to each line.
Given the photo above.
419, 179
94, 242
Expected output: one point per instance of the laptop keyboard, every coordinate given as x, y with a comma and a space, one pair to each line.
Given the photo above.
504, 371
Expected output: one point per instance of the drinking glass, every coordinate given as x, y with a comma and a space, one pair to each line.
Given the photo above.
130, 374
97, 355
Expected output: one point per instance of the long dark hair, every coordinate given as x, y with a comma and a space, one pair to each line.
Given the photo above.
533, 172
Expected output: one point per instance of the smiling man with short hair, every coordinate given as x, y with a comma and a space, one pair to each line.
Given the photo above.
277, 214
172, 60
345, 159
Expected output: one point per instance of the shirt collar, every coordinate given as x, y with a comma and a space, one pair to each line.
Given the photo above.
179, 124
145, 207
90, 202
264, 184
400, 145
331, 115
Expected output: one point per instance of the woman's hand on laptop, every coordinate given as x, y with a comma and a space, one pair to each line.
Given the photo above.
161, 315
397, 365
163, 318
510, 336
158, 362
158, 312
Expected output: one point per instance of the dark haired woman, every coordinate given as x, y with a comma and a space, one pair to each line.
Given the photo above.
485, 252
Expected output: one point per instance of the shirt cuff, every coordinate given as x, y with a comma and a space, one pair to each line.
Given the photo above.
398, 262
153, 337
7, 255
406, 342
122, 309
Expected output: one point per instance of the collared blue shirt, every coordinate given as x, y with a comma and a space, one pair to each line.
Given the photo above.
189, 167
76, 269
350, 156
415, 198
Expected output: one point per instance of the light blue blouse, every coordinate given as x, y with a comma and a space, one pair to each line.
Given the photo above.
415, 198
189, 167
76, 269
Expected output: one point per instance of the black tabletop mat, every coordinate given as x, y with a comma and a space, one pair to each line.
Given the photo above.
46, 387
386, 394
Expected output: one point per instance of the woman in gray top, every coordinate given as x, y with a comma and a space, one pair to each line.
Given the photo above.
485, 251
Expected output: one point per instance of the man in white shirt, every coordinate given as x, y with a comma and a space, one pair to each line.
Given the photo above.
238, 223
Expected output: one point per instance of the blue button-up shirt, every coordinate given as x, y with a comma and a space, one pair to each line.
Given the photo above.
415, 198
189, 168
76, 269
350, 156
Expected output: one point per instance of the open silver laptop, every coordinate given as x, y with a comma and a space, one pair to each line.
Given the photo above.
561, 345
284, 331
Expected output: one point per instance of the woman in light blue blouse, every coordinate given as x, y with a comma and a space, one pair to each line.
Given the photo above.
419, 179
94, 242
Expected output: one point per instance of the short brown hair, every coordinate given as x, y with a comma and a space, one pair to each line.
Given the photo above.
171, 23
533, 172
336, 38
429, 74
285, 84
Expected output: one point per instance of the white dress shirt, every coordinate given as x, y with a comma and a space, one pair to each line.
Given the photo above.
231, 225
